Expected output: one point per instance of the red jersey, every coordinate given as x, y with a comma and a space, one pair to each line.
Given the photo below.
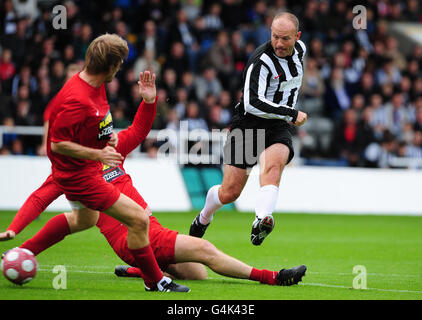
80, 113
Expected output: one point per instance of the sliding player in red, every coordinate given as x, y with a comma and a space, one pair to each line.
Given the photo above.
180, 256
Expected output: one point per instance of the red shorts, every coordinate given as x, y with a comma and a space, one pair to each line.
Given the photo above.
162, 241
93, 192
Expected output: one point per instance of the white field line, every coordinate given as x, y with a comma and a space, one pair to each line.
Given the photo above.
89, 268
371, 289
77, 269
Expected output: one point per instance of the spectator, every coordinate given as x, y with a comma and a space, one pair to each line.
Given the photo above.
82, 42
147, 62
182, 101
338, 94
221, 58
17, 43
227, 106
162, 110
192, 117
191, 9
8, 17
388, 73
40, 101
57, 76
208, 83
177, 60
313, 83
24, 78
215, 118
213, 22
379, 155
346, 142
182, 31
396, 114
188, 80
169, 84
7, 69
5, 101
149, 40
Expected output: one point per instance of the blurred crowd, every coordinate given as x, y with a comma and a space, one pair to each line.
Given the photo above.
362, 93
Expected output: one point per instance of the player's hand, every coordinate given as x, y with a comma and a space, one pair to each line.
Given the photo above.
147, 88
7, 235
114, 140
110, 157
302, 117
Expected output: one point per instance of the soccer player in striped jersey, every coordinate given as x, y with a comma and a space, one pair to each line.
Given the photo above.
261, 127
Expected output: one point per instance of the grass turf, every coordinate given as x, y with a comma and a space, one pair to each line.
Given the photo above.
390, 248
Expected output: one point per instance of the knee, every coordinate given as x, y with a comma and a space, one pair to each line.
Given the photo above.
229, 195
272, 173
78, 221
140, 220
208, 251
201, 273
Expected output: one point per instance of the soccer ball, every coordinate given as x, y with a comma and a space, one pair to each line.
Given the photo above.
19, 266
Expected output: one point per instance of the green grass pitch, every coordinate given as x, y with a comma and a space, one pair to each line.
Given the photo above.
389, 247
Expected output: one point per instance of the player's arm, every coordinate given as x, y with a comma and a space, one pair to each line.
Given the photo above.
130, 138
65, 130
256, 84
108, 156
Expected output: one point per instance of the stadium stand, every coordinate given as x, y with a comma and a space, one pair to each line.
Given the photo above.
362, 88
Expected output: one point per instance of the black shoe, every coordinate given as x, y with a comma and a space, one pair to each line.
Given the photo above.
261, 228
121, 271
197, 229
289, 277
167, 285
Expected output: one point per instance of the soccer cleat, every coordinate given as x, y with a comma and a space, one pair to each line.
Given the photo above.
167, 285
289, 277
261, 228
197, 229
121, 271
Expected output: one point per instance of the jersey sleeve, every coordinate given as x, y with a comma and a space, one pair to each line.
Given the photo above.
49, 109
132, 137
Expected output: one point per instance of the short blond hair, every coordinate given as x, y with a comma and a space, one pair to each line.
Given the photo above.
105, 52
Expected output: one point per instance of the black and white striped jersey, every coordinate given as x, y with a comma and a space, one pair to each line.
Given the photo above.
272, 84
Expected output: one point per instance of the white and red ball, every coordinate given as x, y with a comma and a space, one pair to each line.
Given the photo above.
19, 266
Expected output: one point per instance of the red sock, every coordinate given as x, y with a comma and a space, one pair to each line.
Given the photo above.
264, 276
37, 202
145, 260
30, 210
134, 272
55, 230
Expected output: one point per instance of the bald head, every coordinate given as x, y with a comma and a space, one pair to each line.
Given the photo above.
284, 34
286, 18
